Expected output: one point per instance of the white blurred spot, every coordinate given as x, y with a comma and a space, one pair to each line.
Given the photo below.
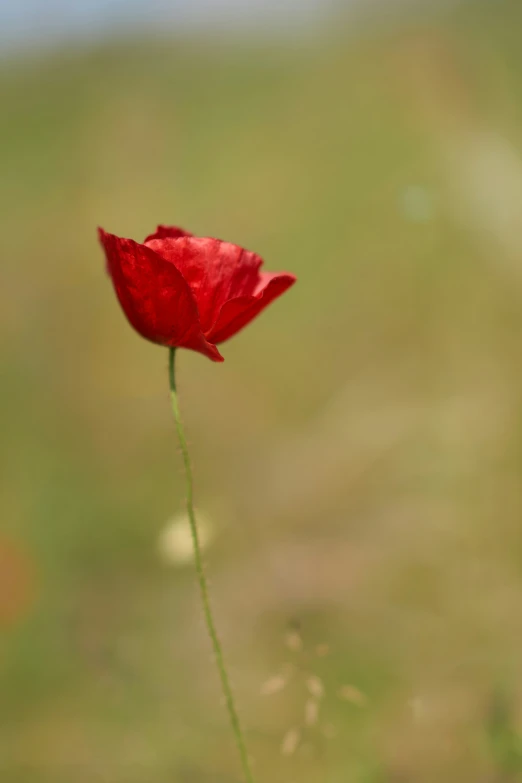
485, 172
175, 545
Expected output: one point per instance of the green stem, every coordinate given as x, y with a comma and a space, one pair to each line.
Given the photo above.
203, 584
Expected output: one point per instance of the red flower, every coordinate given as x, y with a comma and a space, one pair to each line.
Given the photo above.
180, 290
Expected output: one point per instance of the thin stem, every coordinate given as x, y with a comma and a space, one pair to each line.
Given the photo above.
203, 584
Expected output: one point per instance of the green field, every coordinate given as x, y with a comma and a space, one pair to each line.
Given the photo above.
358, 456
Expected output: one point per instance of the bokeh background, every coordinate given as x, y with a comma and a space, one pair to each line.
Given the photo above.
358, 456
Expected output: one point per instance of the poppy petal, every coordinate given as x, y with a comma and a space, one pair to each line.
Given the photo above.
154, 296
216, 271
164, 232
238, 312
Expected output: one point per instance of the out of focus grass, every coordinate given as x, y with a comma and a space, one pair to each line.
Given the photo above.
358, 455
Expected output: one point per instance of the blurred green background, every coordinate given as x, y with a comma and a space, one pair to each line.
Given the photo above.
358, 456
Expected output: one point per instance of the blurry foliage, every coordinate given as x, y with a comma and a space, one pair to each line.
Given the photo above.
358, 455
505, 741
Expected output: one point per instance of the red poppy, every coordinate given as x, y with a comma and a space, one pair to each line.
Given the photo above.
193, 292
